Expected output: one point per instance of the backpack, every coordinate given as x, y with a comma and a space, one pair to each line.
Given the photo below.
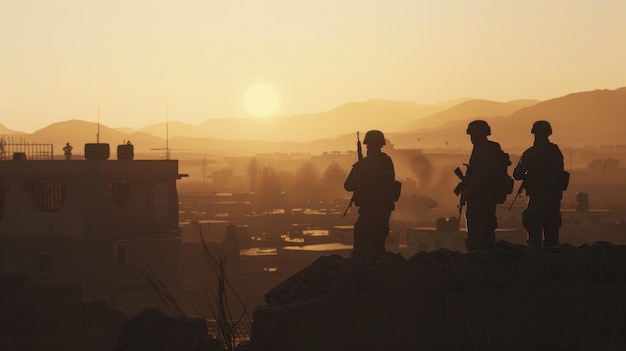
396, 189
503, 182
564, 180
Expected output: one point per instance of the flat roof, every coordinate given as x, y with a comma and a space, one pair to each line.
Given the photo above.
319, 247
119, 168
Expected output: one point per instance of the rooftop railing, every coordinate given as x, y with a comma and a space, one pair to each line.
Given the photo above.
23, 150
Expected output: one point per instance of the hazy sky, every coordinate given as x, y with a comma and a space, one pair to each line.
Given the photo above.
231, 58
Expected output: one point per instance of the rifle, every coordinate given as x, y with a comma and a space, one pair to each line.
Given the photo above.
519, 190
359, 151
458, 190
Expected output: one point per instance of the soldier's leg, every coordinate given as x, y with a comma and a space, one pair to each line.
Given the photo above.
552, 223
478, 226
382, 231
364, 231
532, 221
492, 224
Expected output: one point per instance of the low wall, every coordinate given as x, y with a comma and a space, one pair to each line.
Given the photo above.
559, 310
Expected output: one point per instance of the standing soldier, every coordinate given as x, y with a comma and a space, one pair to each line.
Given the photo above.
67, 151
372, 179
541, 169
479, 191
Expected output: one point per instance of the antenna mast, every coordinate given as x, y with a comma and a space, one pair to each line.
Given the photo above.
167, 130
98, 134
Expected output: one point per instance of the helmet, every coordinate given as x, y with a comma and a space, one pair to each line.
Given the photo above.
374, 137
541, 127
478, 127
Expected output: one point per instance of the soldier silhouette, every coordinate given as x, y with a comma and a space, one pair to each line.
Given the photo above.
544, 178
372, 179
67, 151
479, 192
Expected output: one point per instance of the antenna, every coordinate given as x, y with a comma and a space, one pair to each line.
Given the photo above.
167, 130
98, 134
167, 127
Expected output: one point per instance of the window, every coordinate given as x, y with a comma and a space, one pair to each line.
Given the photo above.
119, 190
45, 263
49, 194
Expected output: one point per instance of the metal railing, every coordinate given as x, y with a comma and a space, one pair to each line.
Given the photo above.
10, 150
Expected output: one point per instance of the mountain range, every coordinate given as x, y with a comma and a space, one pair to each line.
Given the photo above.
578, 119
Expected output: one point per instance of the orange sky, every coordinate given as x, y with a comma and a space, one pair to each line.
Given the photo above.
252, 58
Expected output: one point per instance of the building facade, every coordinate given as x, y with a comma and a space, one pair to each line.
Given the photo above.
94, 222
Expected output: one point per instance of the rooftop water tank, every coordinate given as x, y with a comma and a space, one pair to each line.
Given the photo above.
125, 151
97, 151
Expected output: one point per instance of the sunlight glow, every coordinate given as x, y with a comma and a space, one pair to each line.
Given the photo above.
261, 100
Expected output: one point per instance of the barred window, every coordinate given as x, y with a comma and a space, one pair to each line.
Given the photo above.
119, 190
49, 194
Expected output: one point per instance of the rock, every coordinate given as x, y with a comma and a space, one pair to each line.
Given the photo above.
152, 329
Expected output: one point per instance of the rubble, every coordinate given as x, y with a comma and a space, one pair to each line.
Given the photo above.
504, 265
510, 297
152, 329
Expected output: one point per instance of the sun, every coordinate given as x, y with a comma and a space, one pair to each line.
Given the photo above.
260, 100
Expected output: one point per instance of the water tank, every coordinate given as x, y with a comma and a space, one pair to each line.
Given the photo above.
441, 224
447, 224
19, 156
97, 151
582, 202
125, 151
453, 224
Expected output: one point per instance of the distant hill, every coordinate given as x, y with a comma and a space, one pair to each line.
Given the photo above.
347, 118
126, 130
470, 109
450, 103
578, 119
4, 131
78, 133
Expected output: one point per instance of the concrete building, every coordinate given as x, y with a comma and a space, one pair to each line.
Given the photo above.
91, 222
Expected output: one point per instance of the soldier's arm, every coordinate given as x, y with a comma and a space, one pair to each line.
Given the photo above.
520, 170
352, 179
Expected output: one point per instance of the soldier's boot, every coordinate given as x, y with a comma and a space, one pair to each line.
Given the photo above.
380, 238
551, 229
363, 240
491, 237
534, 239
476, 244
531, 220
480, 234
552, 238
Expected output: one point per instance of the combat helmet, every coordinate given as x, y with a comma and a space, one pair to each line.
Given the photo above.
478, 127
542, 128
374, 137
